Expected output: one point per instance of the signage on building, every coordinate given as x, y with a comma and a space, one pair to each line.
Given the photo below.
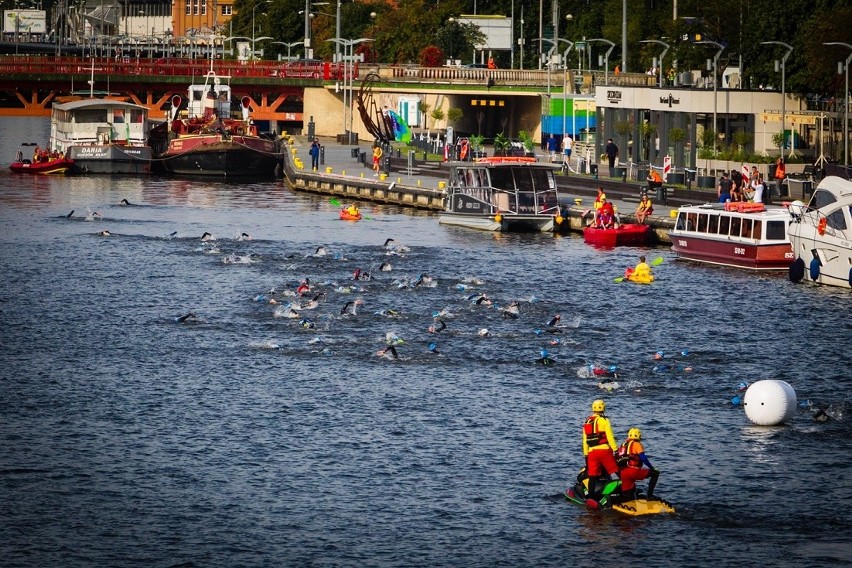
670, 100
24, 21
613, 96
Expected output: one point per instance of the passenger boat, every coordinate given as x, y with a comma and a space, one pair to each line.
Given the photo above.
749, 236
101, 136
821, 234
205, 140
502, 194
627, 235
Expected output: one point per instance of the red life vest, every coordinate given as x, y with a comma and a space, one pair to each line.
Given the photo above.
594, 437
626, 457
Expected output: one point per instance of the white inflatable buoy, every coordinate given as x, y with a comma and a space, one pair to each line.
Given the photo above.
770, 402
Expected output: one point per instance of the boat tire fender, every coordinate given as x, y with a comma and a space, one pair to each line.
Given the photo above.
814, 269
797, 270
821, 226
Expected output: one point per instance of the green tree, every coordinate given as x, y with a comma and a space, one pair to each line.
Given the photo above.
454, 115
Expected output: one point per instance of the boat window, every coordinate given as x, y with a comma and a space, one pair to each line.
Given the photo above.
91, 116
724, 225
821, 198
702, 223
523, 179
713, 224
735, 226
118, 116
746, 229
681, 221
501, 178
837, 221
543, 179
758, 229
137, 116
776, 230
691, 218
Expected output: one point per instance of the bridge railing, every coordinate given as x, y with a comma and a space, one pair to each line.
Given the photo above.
168, 66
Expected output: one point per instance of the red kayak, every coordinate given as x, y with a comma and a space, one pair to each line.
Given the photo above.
56, 166
346, 216
629, 235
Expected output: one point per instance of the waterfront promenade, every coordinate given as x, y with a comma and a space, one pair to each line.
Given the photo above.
342, 175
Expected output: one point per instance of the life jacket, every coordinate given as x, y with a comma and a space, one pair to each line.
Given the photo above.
594, 437
626, 457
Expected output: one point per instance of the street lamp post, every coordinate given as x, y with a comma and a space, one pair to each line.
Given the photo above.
252, 24
783, 91
624, 36
662, 55
606, 56
348, 78
715, 98
289, 46
846, 105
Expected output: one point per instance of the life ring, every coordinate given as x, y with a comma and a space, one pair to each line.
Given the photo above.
797, 270
823, 222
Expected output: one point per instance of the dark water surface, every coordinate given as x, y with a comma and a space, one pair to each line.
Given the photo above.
246, 439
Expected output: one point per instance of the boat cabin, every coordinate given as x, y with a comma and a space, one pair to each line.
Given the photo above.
97, 122
717, 222
509, 189
213, 94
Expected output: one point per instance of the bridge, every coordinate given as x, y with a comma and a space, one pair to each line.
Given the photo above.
278, 90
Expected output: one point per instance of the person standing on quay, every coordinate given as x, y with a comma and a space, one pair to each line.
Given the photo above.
314, 152
612, 155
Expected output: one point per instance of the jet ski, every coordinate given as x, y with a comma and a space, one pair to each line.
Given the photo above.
612, 498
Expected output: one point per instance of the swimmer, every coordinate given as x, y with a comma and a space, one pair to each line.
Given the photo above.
484, 332
658, 355
207, 237
385, 267
124, 202
313, 303
391, 338
358, 275
821, 416
389, 313
104, 233
351, 307
304, 287
437, 328
286, 312
512, 311
388, 352
94, 216
388, 244
243, 237
187, 317
69, 215
306, 323
423, 280
545, 359
433, 347
554, 320
173, 234
321, 251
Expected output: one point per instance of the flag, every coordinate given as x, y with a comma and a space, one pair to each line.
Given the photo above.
401, 132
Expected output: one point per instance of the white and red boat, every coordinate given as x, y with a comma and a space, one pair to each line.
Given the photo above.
744, 235
206, 140
627, 235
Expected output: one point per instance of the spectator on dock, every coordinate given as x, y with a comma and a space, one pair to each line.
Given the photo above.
377, 158
655, 181
314, 153
644, 210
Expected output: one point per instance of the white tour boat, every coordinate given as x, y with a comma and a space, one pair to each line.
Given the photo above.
102, 136
821, 234
502, 194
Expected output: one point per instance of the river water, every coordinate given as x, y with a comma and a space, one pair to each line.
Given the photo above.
238, 438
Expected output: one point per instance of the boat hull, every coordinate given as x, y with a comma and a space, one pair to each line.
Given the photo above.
737, 254
630, 235
213, 156
51, 167
110, 159
513, 223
